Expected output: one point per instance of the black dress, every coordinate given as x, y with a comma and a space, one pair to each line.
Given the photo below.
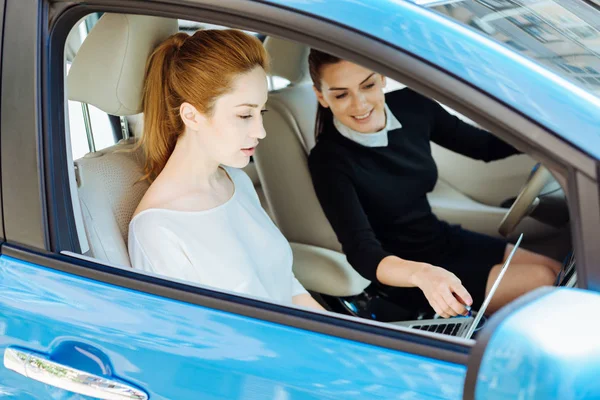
375, 197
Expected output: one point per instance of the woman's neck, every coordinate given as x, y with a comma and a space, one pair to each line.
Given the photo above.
190, 166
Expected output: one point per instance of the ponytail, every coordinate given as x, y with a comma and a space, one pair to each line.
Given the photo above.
162, 126
324, 119
316, 61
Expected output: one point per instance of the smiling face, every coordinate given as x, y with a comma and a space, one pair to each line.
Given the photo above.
354, 94
231, 133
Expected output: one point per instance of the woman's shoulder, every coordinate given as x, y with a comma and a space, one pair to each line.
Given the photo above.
328, 151
330, 159
150, 227
408, 104
330, 145
152, 219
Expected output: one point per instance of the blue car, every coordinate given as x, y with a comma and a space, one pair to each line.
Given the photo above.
77, 322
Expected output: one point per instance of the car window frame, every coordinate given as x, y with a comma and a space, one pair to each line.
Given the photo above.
50, 253
569, 165
2, 6
247, 15
27, 228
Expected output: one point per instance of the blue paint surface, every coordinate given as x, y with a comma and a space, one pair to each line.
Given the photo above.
548, 349
175, 350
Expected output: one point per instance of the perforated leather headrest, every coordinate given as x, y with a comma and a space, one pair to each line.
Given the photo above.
108, 70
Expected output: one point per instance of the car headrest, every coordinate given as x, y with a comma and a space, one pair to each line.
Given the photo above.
73, 41
288, 59
108, 70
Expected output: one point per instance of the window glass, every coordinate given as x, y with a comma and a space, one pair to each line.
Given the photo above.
277, 82
562, 35
456, 188
392, 85
99, 133
79, 140
102, 129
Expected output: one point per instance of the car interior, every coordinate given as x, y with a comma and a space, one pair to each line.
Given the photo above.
105, 70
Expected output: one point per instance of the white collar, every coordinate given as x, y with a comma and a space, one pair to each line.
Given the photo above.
376, 139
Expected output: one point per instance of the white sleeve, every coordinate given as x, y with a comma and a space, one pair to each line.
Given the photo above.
159, 251
297, 288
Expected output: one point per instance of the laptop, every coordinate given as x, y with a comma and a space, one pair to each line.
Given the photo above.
463, 327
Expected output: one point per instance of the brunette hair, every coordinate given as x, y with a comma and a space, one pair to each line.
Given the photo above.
196, 69
316, 61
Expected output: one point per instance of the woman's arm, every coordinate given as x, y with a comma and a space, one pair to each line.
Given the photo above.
442, 289
454, 134
306, 300
343, 209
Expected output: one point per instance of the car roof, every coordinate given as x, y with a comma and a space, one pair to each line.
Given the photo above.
540, 94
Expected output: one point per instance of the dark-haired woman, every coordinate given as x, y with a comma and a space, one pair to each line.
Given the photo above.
372, 168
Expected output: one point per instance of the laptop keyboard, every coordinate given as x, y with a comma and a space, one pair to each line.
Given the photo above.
446, 329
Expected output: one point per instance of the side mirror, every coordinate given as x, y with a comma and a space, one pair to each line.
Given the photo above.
544, 345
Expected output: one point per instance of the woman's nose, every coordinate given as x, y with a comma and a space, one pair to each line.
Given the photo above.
259, 132
359, 101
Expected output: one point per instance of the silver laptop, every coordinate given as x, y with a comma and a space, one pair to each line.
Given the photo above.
461, 326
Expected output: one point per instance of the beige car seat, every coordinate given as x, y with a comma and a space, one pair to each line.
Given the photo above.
108, 72
281, 161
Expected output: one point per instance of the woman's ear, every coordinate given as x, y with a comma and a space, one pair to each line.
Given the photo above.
320, 97
190, 116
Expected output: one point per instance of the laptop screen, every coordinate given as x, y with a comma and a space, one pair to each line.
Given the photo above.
487, 300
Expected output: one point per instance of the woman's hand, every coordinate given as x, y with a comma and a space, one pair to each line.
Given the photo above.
444, 291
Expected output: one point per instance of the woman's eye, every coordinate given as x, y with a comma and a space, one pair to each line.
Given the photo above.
248, 116
370, 86
341, 96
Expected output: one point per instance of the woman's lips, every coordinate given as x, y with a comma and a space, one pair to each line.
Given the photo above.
361, 119
249, 151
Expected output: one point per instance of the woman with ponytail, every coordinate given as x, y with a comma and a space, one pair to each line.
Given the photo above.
201, 220
372, 168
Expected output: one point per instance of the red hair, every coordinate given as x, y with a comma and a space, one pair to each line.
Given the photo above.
196, 69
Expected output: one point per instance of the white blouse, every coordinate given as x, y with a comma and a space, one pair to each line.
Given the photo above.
234, 246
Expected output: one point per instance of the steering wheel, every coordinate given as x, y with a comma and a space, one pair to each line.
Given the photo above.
527, 199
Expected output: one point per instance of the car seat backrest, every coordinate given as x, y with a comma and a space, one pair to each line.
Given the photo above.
108, 72
281, 161
110, 189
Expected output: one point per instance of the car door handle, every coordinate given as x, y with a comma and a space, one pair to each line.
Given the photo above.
42, 369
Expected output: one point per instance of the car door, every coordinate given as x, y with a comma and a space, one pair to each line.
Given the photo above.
69, 323
71, 327
88, 335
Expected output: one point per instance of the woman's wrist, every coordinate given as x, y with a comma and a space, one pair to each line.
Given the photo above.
395, 271
416, 278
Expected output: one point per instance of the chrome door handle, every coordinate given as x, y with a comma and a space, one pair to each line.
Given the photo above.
42, 369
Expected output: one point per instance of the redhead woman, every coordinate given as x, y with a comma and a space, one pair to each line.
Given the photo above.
201, 220
372, 168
